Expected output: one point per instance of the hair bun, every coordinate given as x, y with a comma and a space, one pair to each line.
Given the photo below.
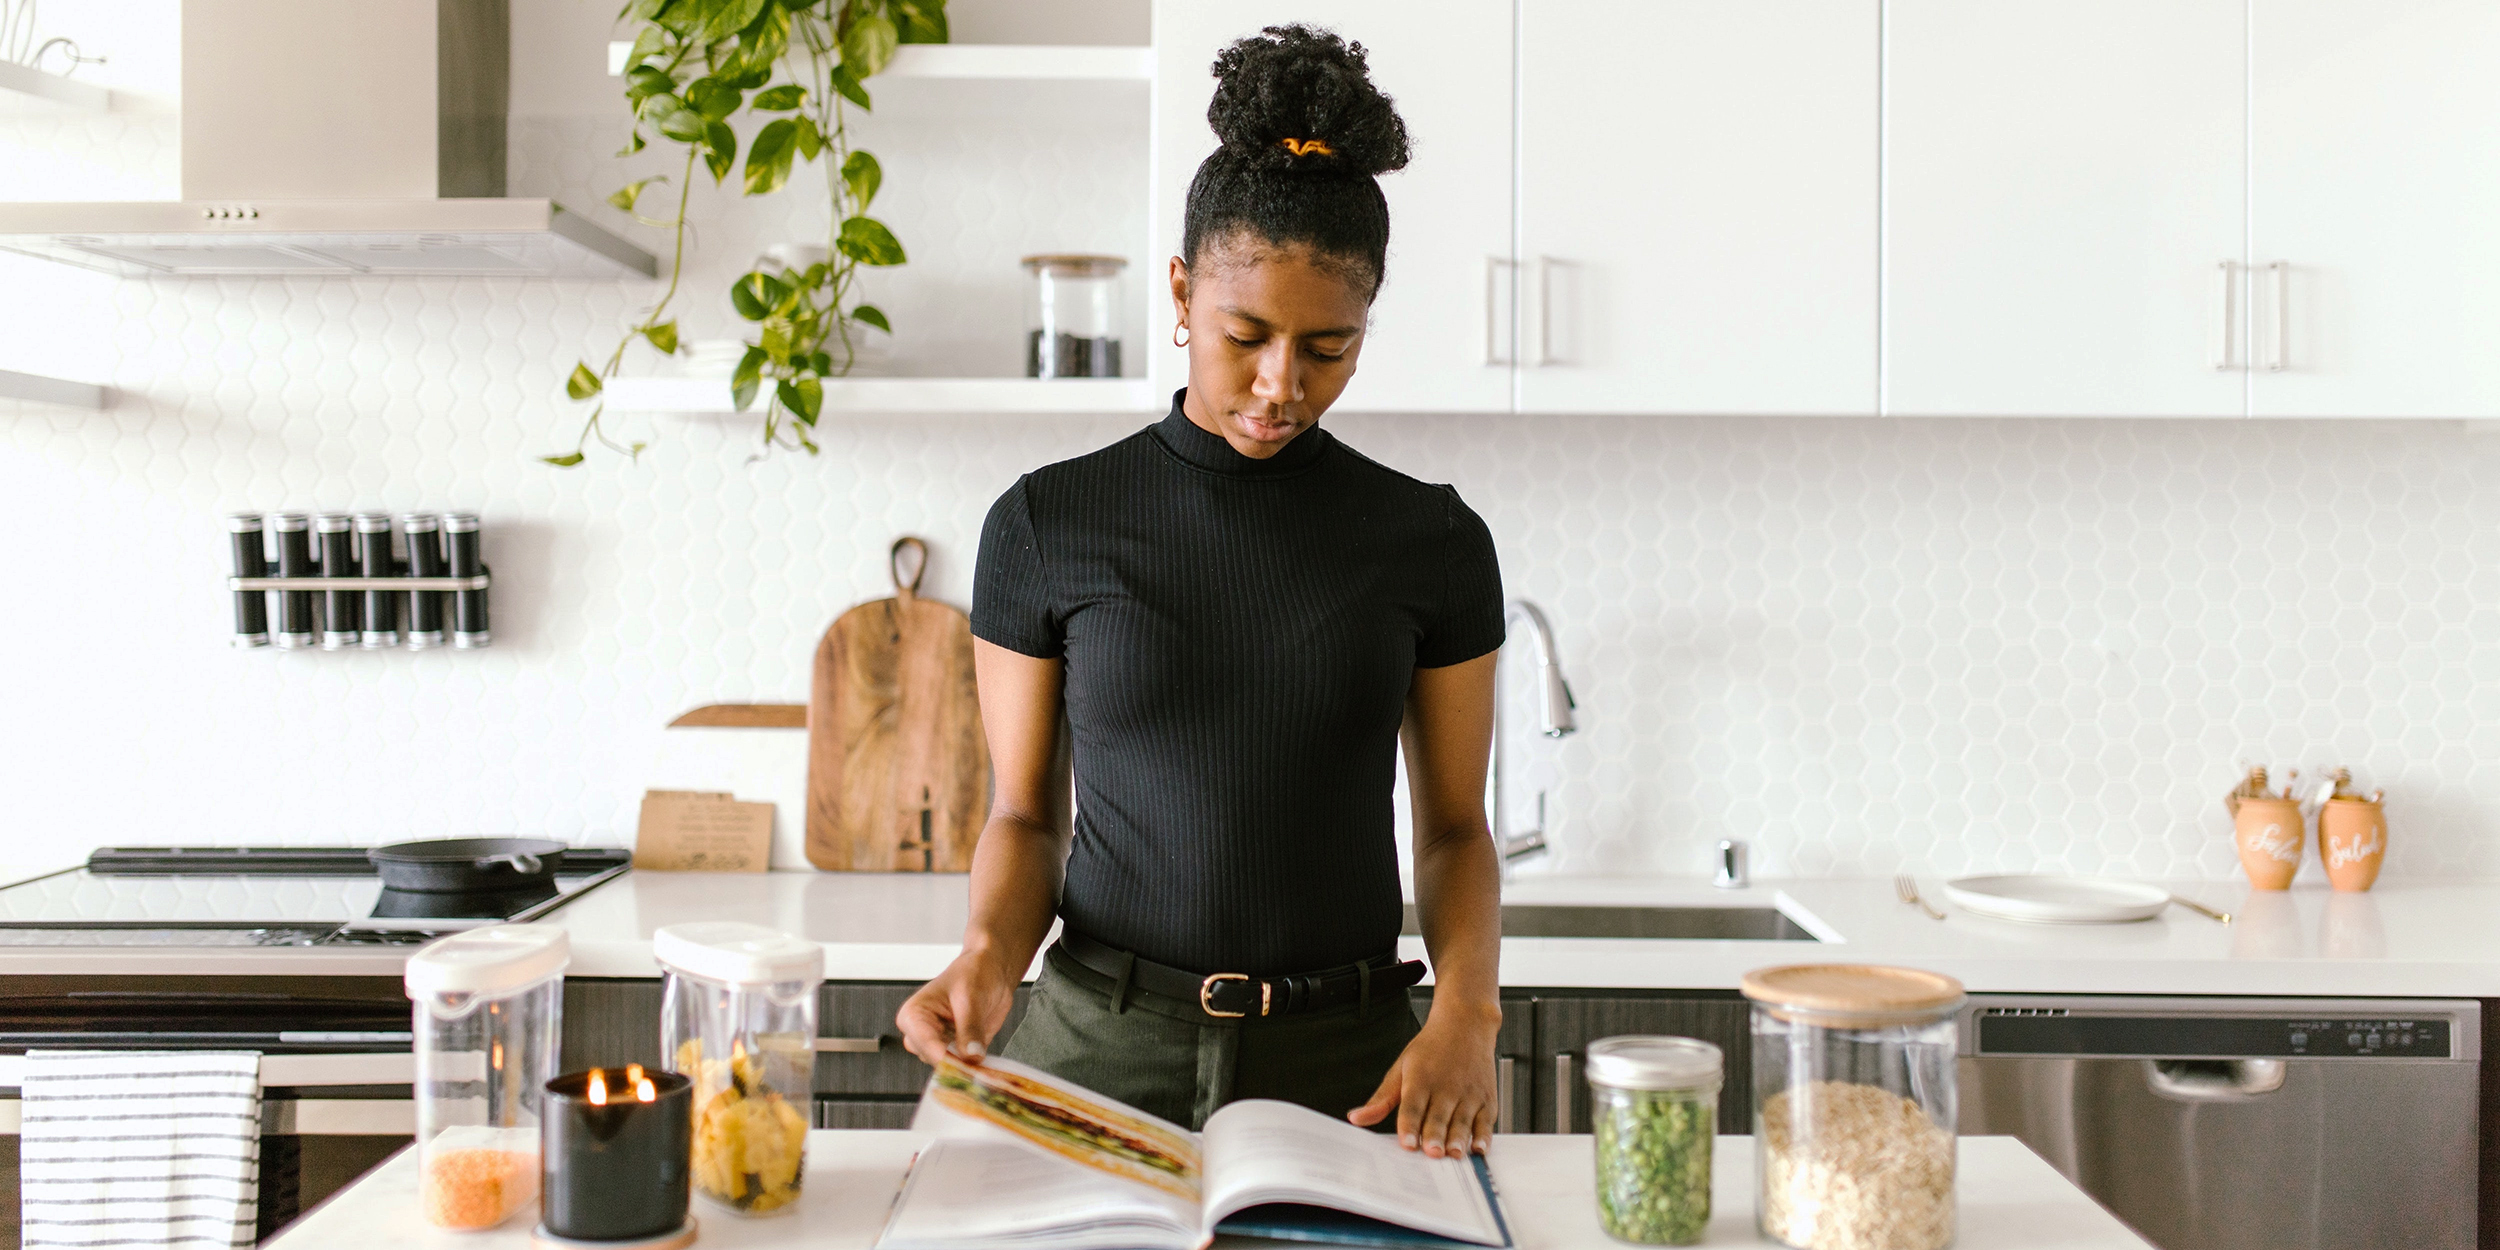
1309, 87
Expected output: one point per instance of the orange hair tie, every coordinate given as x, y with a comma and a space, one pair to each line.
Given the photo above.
1309, 147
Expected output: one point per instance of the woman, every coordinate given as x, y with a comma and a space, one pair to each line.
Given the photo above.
1232, 619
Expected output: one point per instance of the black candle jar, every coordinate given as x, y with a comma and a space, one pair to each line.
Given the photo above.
613, 1150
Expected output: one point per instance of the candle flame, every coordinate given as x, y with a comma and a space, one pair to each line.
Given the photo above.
644, 1090
497, 1060
598, 1088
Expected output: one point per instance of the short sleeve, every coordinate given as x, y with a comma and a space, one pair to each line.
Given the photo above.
1011, 592
1469, 623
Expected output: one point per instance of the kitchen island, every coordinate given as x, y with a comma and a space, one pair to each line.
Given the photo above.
2009, 1199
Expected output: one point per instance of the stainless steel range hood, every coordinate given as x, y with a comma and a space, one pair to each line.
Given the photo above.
328, 138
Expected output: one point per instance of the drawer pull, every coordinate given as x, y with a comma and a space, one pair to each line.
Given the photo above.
849, 1045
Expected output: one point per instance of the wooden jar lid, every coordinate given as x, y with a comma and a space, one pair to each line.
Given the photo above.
1852, 994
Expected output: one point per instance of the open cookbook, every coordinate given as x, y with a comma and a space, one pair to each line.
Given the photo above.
1024, 1161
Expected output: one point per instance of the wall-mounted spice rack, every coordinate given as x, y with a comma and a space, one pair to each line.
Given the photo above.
340, 585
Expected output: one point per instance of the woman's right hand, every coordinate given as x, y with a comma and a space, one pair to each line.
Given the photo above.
958, 1012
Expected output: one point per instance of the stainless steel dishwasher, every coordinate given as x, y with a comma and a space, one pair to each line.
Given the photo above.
2220, 1123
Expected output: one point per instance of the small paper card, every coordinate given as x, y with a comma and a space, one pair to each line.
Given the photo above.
702, 831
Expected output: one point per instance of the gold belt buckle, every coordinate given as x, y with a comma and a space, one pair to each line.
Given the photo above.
1206, 988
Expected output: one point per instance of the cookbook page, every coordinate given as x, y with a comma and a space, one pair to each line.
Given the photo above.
1261, 1151
966, 1193
1072, 1123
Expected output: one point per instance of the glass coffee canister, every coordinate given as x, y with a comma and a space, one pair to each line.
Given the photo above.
738, 1018
488, 1020
1071, 325
1854, 1106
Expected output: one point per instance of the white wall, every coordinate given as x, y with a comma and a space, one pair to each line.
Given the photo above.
1863, 645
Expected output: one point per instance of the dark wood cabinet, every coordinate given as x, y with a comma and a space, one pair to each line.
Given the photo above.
1567, 1021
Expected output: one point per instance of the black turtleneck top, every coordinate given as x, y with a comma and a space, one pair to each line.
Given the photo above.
1239, 637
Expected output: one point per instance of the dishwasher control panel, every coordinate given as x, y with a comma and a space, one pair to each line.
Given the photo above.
2055, 1031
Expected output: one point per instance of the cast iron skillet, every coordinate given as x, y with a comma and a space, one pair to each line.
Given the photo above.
468, 865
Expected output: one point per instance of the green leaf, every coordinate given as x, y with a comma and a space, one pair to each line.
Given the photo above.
684, 125
863, 176
662, 336
804, 397
754, 294
730, 17
768, 157
781, 99
644, 82
846, 85
776, 339
749, 377
923, 22
866, 240
627, 195
646, 45
633, 144
821, 364
869, 44
715, 99
641, 10
583, 384
565, 461
810, 140
721, 143
870, 314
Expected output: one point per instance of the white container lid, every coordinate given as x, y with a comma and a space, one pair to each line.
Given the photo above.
733, 952
1658, 1063
492, 962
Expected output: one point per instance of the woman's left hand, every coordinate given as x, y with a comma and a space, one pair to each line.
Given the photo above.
1442, 1086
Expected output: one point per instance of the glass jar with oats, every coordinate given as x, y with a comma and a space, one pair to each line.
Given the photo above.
738, 1018
1854, 1106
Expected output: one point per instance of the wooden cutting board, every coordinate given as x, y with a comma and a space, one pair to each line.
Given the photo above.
898, 774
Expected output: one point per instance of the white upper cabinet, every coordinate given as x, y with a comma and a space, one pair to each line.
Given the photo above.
2376, 225
1440, 333
2065, 218
1697, 206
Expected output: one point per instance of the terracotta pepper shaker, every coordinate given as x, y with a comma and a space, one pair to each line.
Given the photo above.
2352, 835
2269, 831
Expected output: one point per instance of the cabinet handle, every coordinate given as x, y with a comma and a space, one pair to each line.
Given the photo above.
849, 1045
2279, 343
1564, 1093
2227, 284
1505, 1080
1544, 311
1493, 267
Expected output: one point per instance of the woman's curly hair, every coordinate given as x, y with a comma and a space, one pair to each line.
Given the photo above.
1303, 132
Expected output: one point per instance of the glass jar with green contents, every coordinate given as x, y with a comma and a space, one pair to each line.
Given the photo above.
1655, 1102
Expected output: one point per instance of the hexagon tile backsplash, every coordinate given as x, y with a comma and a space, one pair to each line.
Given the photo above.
1864, 646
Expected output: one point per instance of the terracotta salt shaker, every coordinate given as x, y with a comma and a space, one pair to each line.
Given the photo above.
2269, 832
2352, 838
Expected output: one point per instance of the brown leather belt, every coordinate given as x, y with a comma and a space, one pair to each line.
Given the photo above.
1238, 995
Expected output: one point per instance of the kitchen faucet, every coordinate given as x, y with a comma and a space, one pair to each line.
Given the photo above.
1554, 720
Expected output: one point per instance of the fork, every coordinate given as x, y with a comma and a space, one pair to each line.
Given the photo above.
1907, 888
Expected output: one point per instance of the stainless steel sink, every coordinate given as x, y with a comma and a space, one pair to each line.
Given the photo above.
1749, 924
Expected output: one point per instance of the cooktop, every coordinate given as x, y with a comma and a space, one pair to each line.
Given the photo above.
265, 896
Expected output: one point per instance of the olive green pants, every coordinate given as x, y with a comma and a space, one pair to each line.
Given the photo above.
1169, 1060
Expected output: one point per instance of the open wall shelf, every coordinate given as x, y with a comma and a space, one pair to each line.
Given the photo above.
59, 90
868, 396
1029, 62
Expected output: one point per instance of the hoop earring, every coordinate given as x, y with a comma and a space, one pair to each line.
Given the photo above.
1180, 334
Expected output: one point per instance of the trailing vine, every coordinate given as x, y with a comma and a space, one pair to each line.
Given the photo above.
694, 66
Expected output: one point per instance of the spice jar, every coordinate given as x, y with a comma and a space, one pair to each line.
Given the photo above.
489, 1015
1854, 1106
1071, 326
738, 1017
1654, 1102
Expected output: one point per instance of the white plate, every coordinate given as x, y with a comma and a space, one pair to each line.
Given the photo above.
2059, 900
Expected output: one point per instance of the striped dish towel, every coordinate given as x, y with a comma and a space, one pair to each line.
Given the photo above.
139, 1148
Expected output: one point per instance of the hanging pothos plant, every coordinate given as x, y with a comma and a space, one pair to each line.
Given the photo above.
695, 64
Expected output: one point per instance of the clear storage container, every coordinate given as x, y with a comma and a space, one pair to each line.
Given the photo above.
738, 1017
488, 1018
1071, 325
1854, 1106
1655, 1104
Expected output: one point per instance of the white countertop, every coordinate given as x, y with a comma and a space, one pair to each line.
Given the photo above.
2404, 939
2009, 1198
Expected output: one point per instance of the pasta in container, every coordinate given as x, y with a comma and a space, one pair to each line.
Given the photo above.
738, 1018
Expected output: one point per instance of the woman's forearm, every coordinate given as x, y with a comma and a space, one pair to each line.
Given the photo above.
1458, 897
1016, 873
